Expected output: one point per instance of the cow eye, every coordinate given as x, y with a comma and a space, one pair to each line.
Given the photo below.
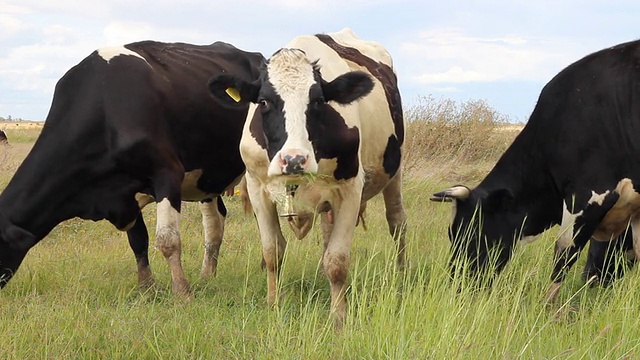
264, 105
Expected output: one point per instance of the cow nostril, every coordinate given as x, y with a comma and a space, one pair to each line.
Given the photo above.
293, 164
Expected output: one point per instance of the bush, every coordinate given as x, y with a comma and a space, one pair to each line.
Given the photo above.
443, 131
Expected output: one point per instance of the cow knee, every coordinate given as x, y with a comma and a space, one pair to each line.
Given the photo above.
336, 267
168, 241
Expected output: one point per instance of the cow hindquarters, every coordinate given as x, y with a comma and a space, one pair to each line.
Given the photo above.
273, 242
396, 216
213, 214
337, 252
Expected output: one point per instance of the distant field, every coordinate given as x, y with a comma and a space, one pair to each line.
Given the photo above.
75, 296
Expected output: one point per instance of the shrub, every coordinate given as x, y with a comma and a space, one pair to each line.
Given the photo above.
444, 132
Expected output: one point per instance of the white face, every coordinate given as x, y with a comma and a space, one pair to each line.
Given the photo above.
292, 76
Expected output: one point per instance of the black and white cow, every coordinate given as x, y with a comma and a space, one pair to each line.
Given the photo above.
129, 125
576, 163
324, 133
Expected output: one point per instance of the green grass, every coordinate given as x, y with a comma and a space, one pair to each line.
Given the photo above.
76, 297
22, 135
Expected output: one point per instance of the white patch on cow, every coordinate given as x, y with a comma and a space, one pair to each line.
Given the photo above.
189, 188
143, 200
598, 198
291, 74
566, 235
168, 219
372, 49
109, 53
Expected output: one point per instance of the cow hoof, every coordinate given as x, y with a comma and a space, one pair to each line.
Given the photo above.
552, 293
146, 284
205, 274
274, 300
181, 290
145, 279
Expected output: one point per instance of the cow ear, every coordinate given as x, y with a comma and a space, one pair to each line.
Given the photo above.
459, 192
498, 200
348, 87
232, 91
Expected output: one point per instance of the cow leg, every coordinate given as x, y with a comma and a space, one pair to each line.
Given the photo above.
273, 242
602, 255
213, 215
167, 190
635, 232
396, 216
575, 232
336, 257
326, 224
139, 242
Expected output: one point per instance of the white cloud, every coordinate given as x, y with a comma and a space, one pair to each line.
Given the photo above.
448, 55
10, 25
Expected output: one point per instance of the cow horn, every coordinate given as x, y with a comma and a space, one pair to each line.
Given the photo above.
459, 192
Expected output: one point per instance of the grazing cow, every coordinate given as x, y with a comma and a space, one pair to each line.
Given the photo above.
129, 125
575, 164
324, 133
3, 138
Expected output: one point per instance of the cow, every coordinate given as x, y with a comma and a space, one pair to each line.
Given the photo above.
4, 140
130, 125
324, 134
575, 164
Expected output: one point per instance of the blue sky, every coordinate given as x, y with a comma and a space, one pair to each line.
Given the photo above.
503, 51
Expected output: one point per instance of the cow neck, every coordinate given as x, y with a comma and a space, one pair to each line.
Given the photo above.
526, 175
39, 194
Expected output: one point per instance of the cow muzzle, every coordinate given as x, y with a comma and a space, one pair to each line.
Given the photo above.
293, 162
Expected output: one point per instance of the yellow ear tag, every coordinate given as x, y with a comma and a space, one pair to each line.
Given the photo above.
233, 93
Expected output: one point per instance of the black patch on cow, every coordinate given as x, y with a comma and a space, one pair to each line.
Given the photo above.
221, 208
268, 119
391, 157
380, 71
331, 137
256, 129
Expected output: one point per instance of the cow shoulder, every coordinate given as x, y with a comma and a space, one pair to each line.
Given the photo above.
382, 121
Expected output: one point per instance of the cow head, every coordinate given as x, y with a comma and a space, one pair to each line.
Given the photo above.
483, 230
294, 120
14, 244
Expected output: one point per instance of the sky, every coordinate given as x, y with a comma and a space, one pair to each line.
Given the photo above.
501, 51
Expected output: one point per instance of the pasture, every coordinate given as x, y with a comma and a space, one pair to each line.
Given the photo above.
75, 295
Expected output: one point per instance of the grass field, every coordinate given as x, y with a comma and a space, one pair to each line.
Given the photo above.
75, 296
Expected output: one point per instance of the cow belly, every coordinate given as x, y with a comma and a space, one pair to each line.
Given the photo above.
616, 221
374, 182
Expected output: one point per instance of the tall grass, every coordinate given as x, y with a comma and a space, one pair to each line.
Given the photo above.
75, 296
